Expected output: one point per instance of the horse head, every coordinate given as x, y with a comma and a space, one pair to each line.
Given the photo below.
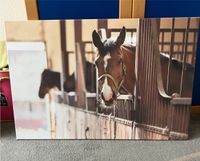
110, 65
49, 80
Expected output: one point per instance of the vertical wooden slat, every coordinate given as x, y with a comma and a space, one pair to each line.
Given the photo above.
80, 65
184, 56
194, 48
65, 69
171, 54
125, 8
138, 8
32, 9
103, 24
78, 38
80, 79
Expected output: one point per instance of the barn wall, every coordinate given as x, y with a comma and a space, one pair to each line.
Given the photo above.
51, 32
47, 31
24, 31
70, 39
180, 23
87, 28
128, 23
11, 10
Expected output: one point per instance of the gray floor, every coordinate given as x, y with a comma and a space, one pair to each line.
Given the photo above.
88, 150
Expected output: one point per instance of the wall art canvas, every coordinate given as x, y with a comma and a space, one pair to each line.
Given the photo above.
102, 79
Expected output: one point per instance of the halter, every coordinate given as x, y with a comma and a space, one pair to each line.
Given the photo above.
117, 86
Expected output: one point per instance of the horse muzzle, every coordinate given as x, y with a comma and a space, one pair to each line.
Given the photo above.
109, 102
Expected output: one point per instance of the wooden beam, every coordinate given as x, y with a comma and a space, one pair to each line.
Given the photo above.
138, 8
132, 8
65, 59
32, 9
103, 24
78, 38
125, 8
80, 79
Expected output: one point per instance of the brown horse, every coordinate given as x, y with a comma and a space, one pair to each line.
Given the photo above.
51, 79
116, 67
175, 76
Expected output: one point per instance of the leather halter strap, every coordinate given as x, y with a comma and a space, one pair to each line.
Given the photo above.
119, 85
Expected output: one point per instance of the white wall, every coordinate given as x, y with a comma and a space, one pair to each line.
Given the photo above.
11, 10
27, 62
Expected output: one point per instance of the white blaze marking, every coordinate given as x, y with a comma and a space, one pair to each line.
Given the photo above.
105, 59
106, 90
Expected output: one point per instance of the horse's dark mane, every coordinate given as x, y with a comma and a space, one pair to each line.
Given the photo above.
130, 47
110, 45
177, 63
48, 74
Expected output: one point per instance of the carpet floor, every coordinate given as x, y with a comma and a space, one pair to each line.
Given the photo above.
99, 150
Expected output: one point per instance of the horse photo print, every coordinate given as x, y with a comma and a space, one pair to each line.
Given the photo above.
102, 79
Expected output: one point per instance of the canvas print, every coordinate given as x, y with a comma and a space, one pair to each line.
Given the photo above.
102, 79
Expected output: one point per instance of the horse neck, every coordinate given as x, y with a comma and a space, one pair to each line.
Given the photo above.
129, 62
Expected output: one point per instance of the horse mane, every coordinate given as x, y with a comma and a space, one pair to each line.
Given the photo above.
49, 74
178, 63
130, 47
108, 46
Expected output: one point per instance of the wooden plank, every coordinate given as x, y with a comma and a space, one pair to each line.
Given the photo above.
92, 126
53, 119
143, 134
71, 123
106, 124
80, 125
48, 111
60, 121
64, 56
123, 129
80, 79
181, 101
32, 9
138, 8
125, 8
103, 24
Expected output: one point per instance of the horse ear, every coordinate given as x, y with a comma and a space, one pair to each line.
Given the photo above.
97, 40
121, 37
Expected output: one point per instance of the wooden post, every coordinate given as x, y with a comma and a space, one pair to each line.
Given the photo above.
171, 54
138, 8
78, 38
125, 8
132, 8
80, 79
32, 9
184, 55
102, 24
103, 28
65, 69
